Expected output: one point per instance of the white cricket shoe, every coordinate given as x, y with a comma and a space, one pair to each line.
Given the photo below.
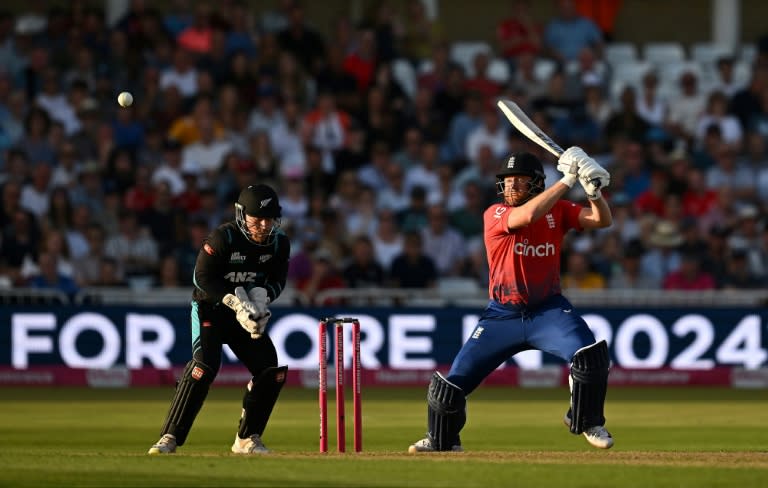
250, 445
166, 445
425, 445
598, 435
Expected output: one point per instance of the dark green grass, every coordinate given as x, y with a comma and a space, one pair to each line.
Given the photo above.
664, 438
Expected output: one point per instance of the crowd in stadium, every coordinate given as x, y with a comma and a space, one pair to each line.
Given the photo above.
381, 184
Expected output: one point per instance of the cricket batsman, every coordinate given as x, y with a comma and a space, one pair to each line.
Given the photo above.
240, 269
523, 237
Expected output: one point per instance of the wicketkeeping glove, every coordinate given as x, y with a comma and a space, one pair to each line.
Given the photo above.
246, 312
260, 299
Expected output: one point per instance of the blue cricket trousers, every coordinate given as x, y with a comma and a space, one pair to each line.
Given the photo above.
505, 330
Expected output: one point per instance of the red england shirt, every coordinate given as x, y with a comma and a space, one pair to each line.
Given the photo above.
525, 262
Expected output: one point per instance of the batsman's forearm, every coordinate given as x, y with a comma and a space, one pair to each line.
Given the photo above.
536, 207
602, 212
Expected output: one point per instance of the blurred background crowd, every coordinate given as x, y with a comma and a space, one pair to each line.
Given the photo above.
381, 143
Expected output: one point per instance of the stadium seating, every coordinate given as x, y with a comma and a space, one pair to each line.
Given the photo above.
498, 71
463, 52
405, 74
707, 53
620, 52
660, 53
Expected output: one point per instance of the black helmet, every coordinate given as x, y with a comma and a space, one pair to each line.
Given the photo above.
258, 201
522, 164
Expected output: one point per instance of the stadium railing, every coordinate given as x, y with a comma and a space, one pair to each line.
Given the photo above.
387, 297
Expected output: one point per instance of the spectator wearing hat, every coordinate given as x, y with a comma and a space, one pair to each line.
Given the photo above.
662, 257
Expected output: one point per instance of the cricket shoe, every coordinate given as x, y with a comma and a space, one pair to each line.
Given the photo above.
598, 435
425, 445
166, 445
249, 445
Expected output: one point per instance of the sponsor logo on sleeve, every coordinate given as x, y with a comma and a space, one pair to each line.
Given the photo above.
197, 373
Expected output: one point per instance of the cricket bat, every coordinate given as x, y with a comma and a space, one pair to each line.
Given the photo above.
525, 125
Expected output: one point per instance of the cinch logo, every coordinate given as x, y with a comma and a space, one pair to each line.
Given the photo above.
541, 250
236, 257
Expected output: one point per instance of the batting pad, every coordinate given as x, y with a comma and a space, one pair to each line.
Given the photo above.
589, 371
191, 391
259, 400
446, 413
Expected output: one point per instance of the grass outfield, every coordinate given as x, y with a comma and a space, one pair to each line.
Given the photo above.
664, 438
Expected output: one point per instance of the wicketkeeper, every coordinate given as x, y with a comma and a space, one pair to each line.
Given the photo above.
241, 268
523, 237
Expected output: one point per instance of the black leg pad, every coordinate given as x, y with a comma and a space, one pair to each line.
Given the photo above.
589, 372
191, 391
259, 400
446, 413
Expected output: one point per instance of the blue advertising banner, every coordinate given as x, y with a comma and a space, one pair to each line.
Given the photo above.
405, 338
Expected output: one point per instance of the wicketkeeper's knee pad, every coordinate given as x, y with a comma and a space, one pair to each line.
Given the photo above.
446, 413
589, 374
259, 400
191, 391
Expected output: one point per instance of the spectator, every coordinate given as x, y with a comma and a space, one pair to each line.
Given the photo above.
387, 240
302, 41
326, 128
412, 268
628, 275
442, 243
363, 271
567, 33
715, 113
519, 33
324, 276
663, 257
579, 273
491, 133
88, 268
421, 32
690, 276
133, 247
49, 278
479, 81
686, 109
738, 273
651, 106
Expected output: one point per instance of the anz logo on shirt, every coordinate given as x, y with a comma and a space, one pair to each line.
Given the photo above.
241, 276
